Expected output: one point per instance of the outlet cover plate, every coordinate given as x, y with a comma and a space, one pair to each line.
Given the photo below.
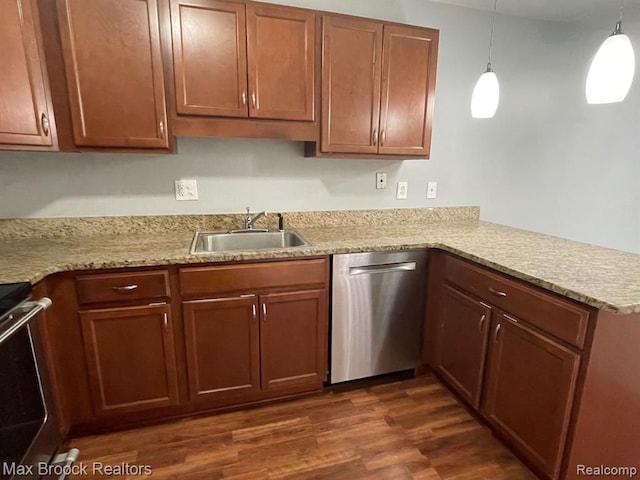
401, 193
186, 190
432, 189
381, 181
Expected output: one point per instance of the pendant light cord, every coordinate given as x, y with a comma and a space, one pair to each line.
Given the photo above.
493, 23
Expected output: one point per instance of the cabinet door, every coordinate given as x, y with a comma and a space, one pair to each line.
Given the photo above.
464, 327
210, 57
408, 88
293, 339
130, 357
281, 54
25, 113
352, 51
114, 71
223, 359
530, 389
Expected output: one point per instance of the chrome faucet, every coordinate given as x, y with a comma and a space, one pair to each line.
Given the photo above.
249, 220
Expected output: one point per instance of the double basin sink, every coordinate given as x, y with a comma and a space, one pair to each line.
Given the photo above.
214, 242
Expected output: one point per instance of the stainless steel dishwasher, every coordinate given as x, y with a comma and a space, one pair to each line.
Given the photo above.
377, 313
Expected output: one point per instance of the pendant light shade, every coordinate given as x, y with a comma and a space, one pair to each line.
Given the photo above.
486, 95
612, 69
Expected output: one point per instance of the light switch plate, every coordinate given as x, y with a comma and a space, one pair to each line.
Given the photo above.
186, 189
432, 189
401, 193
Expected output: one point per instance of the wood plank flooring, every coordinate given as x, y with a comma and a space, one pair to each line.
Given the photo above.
412, 429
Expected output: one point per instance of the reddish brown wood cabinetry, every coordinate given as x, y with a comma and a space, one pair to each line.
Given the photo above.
463, 330
223, 351
378, 86
253, 330
530, 389
26, 114
114, 73
242, 60
293, 339
510, 351
130, 358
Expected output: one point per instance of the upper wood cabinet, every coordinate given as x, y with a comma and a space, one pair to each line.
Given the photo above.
26, 118
114, 72
243, 60
378, 86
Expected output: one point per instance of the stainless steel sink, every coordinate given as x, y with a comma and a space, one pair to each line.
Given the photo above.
212, 242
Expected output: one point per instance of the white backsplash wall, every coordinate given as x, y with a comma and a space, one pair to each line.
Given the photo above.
547, 162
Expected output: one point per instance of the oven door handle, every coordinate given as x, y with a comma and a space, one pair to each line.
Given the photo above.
23, 314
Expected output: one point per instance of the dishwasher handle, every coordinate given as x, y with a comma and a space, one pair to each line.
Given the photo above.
384, 268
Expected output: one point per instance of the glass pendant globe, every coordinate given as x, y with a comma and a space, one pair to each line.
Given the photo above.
611, 71
486, 96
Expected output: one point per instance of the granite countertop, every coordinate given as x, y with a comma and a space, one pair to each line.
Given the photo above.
600, 277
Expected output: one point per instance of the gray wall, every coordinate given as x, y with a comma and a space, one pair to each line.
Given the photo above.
547, 162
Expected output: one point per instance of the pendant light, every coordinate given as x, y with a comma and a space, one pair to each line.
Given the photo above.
612, 69
486, 94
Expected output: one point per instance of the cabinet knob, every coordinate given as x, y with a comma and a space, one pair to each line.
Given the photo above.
244, 98
254, 100
44, 122
375, 136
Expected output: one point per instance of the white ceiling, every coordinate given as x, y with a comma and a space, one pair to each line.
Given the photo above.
582, 12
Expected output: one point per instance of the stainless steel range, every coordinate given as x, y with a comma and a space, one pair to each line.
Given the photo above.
29, 433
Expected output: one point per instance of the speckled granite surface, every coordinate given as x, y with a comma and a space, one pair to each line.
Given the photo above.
600, 277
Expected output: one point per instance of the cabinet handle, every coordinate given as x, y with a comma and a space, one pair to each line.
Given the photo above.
244, 98
509, 317
383, 137
161, 128
124, 288
497, 293
375, 136
481, 324
264, 311
495, 337
44, 122
165, 321
255, 311
254, 100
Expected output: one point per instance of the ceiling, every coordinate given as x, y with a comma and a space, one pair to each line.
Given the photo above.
582, 12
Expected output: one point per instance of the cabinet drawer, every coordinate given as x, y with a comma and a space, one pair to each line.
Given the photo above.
562, 318
118, 287
196, 281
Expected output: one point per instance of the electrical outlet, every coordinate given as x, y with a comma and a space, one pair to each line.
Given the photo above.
186, 189
381, 181
401, 193
432, 189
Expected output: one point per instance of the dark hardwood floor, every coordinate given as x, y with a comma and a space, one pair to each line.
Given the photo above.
412, 429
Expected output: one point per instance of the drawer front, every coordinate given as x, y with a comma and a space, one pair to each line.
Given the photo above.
562, 318
197, 281
122, 287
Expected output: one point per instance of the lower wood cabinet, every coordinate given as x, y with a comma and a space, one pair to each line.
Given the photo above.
238, 346
520, 377
223, 347
531, 383
130, 358
463, 331
293, 339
